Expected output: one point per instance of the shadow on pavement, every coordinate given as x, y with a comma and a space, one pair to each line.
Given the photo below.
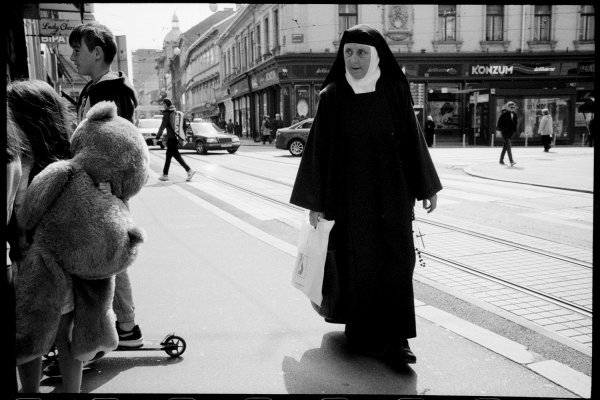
333, 369
107, 368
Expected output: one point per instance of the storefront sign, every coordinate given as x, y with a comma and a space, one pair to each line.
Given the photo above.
57, 27
427, 70
308, 71
240, 87
297, 38
514, 69
53, 39
263, 79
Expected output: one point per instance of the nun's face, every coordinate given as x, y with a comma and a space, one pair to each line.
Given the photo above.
357, 58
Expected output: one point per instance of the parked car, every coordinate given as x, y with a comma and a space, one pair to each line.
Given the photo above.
293, 138
205, 136
148, 127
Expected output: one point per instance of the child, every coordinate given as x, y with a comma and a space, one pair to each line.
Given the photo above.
44, 119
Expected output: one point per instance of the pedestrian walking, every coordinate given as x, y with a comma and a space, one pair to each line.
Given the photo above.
43, 121
172, 143
230, 127
276, 124
265, 130
507, 125
429, 130
591, 129
546, 129
94, 49
369, 191
237, 129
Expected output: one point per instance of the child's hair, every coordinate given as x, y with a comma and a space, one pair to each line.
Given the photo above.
15, 138
44, 118
95, 34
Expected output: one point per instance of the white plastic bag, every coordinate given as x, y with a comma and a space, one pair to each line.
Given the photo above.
310, 262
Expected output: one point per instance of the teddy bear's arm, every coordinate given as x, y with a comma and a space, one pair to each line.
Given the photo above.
43, 190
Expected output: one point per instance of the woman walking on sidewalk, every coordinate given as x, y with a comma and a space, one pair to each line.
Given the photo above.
172, 143
545, 129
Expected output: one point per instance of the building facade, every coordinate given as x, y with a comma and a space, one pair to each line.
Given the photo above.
463, 62
146, 82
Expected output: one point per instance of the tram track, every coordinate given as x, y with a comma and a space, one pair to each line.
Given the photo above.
543, 253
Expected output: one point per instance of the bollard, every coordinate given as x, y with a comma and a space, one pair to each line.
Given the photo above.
464, 139
526, 137
433, 145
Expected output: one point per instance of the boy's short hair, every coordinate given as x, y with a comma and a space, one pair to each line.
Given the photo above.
168, 102
95, 34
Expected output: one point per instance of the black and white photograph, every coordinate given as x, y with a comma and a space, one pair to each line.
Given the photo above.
312, 201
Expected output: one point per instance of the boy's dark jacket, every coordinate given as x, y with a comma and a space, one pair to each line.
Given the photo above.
112, 87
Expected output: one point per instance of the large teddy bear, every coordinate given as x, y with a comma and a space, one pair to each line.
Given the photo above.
82, 233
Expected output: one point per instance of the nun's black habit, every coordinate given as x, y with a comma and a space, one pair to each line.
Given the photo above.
364, 164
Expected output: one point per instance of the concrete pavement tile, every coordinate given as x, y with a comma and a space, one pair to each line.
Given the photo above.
488, 339
563, 375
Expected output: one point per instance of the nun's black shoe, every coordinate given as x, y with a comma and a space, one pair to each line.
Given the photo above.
400, 353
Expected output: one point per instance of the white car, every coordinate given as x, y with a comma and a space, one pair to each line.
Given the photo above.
148, 127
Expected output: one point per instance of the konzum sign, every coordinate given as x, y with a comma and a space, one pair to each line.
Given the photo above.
492, 70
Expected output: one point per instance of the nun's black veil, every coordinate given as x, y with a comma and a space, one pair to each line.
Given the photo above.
364, 34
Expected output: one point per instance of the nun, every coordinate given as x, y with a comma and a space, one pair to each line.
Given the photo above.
365, 164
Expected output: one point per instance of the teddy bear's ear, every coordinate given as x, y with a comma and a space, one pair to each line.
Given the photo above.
43, 190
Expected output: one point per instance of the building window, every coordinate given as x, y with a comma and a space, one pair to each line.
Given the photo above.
258, 49
542, 23
447, 21
245, 56
275, 28
587, 23
267, 41
251, 47
494, 23
348, 16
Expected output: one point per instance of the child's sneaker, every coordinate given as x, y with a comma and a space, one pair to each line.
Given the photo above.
190, 174
132, 338
163, 177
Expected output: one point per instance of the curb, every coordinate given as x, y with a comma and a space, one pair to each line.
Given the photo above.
469, 171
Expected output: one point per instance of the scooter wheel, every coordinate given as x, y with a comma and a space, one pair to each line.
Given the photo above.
175, 346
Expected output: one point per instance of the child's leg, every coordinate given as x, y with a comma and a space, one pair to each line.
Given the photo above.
70, 368
30, 375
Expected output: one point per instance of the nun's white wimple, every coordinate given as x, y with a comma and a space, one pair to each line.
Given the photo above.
367, 83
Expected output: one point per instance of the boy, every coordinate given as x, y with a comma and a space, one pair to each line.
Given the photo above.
94, 49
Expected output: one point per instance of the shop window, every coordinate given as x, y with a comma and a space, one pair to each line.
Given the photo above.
447, 22
348, 17
529, 112
444, 106
542, 22
586, 23
494, 22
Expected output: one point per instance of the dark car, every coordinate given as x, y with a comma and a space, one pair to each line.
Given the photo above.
205, 136
293, 138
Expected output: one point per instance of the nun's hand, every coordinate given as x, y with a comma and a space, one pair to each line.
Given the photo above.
314, 217
430, 204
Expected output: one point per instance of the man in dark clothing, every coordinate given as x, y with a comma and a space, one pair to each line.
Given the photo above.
507, 125
429, 130
172, 143
230, 127
276, 124
237, 129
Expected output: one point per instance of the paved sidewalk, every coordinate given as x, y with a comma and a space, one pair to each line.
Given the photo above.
535, 167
